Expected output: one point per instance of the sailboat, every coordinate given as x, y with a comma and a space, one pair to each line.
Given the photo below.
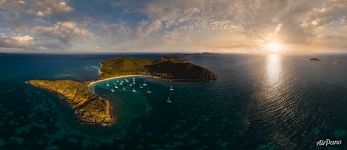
141, 87
133, 90
144, 83
112, 90
107, 84
148, 91
116, 86
171, 88
130, 84
168, 100
124, 89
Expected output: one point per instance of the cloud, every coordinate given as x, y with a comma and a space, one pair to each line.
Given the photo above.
36, 7
63, 31
147, 28
11, 5
50, 7
176, 25
292, 22
17, 41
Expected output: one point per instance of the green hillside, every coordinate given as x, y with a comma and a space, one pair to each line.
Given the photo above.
168, 68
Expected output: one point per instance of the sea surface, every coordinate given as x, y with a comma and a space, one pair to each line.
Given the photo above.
258, 102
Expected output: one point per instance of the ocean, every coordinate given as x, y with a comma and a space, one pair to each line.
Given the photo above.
258, 102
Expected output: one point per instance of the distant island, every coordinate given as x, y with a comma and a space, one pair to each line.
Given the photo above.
203, 53
91, 109
314, 59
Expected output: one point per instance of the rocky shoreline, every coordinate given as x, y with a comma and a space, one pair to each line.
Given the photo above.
89, 108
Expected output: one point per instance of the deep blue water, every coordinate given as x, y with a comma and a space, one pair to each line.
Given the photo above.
258, 102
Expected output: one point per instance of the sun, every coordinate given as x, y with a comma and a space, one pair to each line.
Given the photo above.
274, 47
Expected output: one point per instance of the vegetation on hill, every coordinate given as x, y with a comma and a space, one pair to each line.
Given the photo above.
89, 108
168, 68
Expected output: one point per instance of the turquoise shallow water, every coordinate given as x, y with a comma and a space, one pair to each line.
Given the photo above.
258, 102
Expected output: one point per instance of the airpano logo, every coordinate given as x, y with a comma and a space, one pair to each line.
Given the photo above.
328, 142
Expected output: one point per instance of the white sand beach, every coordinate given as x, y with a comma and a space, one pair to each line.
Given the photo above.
118, 77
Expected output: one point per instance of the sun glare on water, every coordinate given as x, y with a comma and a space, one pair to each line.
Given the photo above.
274, 47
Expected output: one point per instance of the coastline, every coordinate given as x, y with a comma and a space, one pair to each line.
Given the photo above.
89, 108
122, 76
110, 112
99, 71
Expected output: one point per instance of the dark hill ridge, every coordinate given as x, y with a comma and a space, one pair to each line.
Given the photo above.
314, 59
168, 68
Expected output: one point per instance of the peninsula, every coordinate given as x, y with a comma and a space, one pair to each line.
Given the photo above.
92, 109
89, 108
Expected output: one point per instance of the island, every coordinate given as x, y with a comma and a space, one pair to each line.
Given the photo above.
202, 53
167, 68
314, 59
92, 109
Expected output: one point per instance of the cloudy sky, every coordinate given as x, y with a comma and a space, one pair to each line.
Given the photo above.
171, 26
